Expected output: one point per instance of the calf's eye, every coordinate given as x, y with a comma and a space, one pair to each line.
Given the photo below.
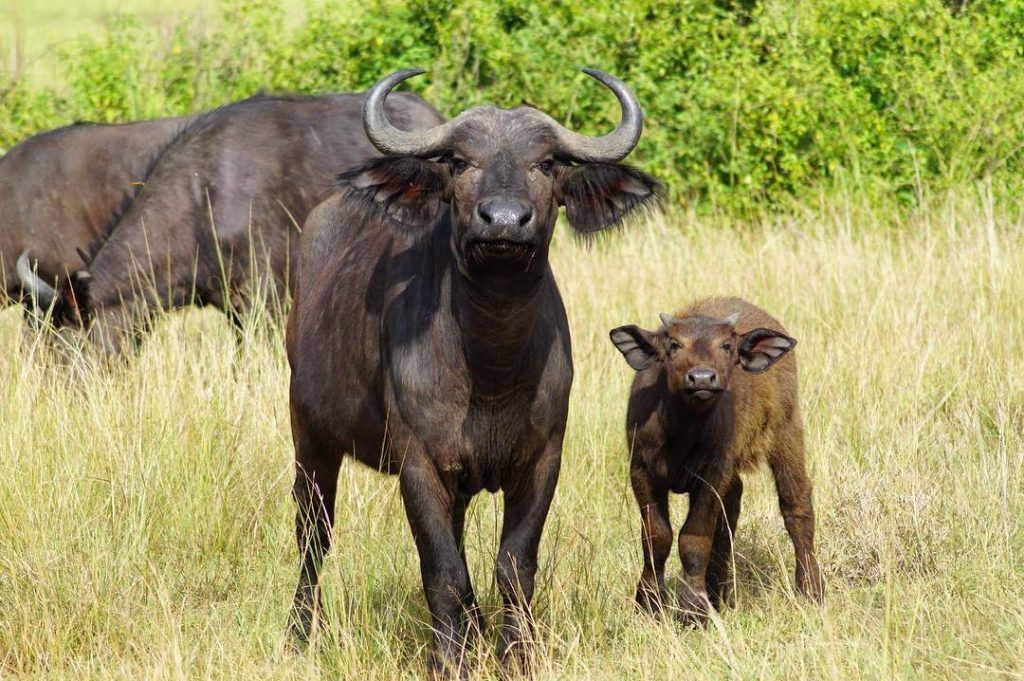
727, 347
673, 346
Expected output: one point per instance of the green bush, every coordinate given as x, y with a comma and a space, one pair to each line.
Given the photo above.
748, 103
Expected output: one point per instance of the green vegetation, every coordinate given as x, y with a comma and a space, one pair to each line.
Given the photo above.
146, 522
749, 104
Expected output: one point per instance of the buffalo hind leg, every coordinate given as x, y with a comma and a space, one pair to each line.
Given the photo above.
795, 491
655, 540
718, 578
527, 502
475, 615
430, 509
316, 483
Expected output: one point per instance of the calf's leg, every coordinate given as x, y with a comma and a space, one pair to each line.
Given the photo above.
718, 578
695, 539
655, 540
794, 489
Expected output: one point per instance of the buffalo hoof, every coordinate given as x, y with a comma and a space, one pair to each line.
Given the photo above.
649, 601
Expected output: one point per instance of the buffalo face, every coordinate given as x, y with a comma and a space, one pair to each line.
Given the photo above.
504, 174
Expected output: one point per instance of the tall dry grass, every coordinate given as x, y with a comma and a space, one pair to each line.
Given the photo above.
146, 524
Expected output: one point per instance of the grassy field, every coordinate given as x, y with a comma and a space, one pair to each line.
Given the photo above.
146, 523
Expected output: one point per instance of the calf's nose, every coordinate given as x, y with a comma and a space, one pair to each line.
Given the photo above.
702, 379
504, 213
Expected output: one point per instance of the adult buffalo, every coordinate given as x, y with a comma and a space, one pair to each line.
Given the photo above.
428, 339
61, 190
221, 211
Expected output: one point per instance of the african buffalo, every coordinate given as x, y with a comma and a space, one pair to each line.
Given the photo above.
61, 190
221, 210
428, 339
704, 407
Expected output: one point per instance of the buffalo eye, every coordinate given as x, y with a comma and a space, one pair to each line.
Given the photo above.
673, 346
546, 166
459, 164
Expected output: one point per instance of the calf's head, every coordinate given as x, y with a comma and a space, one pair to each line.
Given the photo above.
699, 353
504, 174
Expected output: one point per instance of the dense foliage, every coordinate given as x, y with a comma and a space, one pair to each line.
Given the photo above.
748, 101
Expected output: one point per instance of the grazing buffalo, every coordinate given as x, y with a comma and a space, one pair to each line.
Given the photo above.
60, 191
702, 411
428, 339
221, 211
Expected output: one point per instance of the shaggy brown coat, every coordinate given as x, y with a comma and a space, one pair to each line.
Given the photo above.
704, 407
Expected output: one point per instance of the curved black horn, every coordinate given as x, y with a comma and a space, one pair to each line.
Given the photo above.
617, 144
389, 139
30, 281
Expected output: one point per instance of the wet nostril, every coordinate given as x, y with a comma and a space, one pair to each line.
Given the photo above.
484, 211
526, 215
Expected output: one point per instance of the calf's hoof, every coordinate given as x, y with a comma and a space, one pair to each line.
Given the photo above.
693, 609
810, 584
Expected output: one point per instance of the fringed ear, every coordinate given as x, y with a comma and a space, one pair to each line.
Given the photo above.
761, 348
636, 345
71, 305
407, 190
597, 195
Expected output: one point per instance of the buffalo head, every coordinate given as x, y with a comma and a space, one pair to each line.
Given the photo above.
504, 174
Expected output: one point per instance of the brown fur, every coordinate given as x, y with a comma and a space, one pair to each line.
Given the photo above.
684, 443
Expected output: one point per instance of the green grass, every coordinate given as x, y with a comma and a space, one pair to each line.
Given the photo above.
32, 34
146, 523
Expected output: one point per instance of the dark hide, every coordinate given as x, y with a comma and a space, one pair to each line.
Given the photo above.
60, 189
428, 339
222, 209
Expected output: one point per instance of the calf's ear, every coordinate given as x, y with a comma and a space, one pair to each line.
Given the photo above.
596, 195
761, 348
636, 345
408, 191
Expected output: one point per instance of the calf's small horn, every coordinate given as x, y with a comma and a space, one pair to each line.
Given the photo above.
30, 281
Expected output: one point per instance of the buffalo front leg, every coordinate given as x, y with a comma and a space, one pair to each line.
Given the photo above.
655, 540
695, 539
527, 501
718, 575
316, 482
795, 491
429, 506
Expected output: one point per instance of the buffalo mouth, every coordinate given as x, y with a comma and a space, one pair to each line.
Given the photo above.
502, 250
704, 394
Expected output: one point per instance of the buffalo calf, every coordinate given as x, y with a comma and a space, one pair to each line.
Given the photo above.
715, 394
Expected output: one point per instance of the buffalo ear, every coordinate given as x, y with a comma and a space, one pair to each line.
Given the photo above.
407, 190
596, 195
636, 345
761, 348
71, 304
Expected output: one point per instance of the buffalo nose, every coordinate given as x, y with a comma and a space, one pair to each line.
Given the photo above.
504, 212
702, 379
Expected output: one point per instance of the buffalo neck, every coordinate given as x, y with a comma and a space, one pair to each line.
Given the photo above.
497, 316
700, 428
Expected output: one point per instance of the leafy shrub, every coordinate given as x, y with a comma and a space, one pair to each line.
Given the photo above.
748, 102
